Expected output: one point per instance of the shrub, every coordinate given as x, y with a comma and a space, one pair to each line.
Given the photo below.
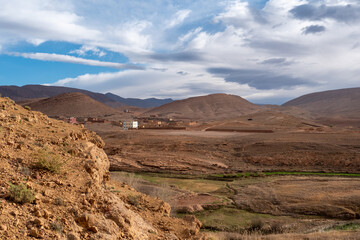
21, 194
27, 108
256, 224
57, 226
134, 200
48, 161
277, 227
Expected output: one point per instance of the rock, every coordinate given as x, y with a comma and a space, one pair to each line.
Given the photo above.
3, 227
37, 213
73, 236
197, 208
36, 233
195, 224
165, 208
14, 213
36, 175
93, 229
38, 222
37, 198
86, 220
46, 214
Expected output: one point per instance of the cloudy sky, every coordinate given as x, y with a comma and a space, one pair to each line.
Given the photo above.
267, 51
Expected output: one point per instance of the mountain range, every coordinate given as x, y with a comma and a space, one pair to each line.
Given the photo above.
40, 91
340, 106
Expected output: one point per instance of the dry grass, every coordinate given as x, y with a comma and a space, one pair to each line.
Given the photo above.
21, 194
48, 161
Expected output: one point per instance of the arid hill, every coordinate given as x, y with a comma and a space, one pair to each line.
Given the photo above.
214, 106
54, 184
335, 103
71, 105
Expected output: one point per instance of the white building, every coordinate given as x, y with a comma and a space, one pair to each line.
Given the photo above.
130, 124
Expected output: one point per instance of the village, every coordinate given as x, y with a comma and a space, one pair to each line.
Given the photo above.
134, 123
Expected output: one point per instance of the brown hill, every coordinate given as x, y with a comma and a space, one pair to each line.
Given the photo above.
214, 106
71, 104
335, 103
54, 184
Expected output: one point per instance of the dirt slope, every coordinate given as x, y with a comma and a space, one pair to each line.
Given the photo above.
214, 106
336, 103
54, 185
72, 105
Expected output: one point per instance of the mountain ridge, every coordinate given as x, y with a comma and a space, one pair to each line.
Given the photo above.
27, 92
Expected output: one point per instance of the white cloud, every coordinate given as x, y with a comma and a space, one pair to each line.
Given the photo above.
37, 21
132, 35
188, 38
71, 59
180, 16
85, 49
238, 14
153, 83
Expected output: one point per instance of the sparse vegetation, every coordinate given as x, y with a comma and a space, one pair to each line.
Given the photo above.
256, 225
134, 200
48, 161
21, 194
57, 226
346, 227
27, 108
231, 219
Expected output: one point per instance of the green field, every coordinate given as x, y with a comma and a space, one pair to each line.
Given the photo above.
227, 217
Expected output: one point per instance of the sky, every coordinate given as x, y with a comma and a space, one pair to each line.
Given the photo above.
267, 51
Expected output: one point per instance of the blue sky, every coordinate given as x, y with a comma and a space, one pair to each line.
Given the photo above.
267, 51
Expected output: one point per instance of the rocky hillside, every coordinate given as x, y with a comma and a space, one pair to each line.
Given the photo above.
54, 184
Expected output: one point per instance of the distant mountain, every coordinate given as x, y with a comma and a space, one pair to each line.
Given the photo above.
71, 104
342, 103
214, 106
39, 91
144, 103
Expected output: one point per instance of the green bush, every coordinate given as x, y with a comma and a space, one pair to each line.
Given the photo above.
21, 194
48, 161
27, 107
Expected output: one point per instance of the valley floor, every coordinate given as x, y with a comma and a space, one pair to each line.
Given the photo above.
259, 206
294, 183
